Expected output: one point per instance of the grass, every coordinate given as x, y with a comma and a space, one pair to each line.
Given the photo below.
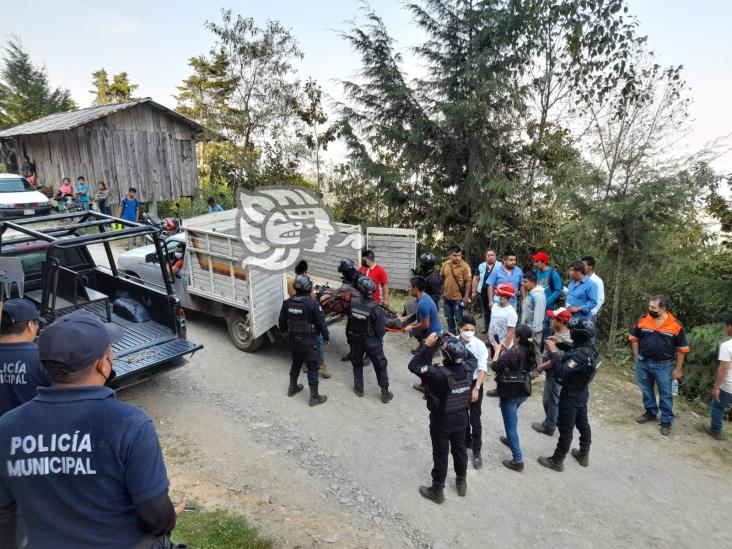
217, 530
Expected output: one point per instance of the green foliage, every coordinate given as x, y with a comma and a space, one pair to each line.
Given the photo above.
701, 364
119, 90
25, 93
217, 530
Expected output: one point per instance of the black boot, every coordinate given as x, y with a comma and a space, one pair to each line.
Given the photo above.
462, 486
433, 493
582, 456
315, 398
294, 387
386, 396
552, 463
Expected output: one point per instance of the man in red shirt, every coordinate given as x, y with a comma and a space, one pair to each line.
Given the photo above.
375, 272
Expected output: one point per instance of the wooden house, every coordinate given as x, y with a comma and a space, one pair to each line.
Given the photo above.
139, 144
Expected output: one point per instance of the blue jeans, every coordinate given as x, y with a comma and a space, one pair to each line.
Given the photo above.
718, 408
84, 205
509, 411
321, 353
550, 399
453, 313
647, 373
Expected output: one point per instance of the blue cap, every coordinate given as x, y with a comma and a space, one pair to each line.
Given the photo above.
77, 340
20, 310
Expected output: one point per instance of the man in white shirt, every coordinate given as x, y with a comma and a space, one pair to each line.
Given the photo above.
722, 391
503, 321
589, 262
480, 352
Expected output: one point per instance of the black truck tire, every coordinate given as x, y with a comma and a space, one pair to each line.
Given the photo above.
237, 323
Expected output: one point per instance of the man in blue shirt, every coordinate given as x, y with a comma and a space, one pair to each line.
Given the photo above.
480, 285
83, 469
551, 281
213, 207
582, 296
428, 319
507, 272
21, 371
129, 208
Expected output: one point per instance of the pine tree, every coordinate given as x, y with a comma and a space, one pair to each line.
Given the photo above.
25, 93
119, 90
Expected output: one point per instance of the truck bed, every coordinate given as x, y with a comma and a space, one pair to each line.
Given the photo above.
145, 346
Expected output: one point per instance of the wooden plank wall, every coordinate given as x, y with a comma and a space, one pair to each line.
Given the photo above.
396, 251
138, 147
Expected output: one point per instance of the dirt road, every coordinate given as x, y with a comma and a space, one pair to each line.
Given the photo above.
345, 474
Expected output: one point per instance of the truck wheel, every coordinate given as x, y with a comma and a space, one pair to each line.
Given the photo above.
240, 332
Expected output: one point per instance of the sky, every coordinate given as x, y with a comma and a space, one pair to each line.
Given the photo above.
153, 41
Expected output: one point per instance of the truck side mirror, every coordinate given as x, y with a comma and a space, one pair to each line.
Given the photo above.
151, 258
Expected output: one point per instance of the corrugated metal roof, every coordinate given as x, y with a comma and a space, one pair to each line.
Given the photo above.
73, 119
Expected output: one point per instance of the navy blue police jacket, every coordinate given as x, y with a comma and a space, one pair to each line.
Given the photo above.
21, 373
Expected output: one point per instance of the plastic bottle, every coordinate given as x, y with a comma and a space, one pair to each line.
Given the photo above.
675, 387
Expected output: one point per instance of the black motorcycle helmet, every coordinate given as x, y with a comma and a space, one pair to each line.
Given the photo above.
346, 266
303, 284
427, 260
453, 351
365, 285
581, 330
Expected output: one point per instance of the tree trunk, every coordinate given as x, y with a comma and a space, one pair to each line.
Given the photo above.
616, 297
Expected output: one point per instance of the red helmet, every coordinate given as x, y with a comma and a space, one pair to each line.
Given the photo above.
505, 289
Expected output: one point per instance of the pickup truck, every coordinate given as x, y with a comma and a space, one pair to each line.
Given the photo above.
61, 275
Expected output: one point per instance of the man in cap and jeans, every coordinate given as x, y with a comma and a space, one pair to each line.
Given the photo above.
21, 371
552, 390
551, 281
83, 469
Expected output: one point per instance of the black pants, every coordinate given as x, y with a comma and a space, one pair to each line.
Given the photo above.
485, 306
448, 436
474, 437
372, 347
305, 351
572, 413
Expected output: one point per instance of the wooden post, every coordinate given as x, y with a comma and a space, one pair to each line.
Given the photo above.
153, 209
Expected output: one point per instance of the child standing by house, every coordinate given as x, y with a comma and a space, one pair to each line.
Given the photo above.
82, 192
129, 208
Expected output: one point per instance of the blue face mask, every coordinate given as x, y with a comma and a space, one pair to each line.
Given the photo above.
178, 255
496, 299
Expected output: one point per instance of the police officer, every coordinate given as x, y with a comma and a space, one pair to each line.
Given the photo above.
573, 371
367, 327
21, 371
433, 282
83, 469
447, 391
301, 318
349, 276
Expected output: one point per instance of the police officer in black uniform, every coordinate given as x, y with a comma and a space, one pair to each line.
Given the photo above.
367, 326
350, 275
447, 391
301, 318
433, 282
573, 371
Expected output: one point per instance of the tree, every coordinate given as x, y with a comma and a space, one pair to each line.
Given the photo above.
313, 115
118, 91
25, 93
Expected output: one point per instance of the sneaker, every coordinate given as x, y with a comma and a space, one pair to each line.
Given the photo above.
550, 463
386, 396
582, 456
717, 435
665, 429
477, 460
543, 429
513, 465
323, 371
647, 417
432, 493
462, 487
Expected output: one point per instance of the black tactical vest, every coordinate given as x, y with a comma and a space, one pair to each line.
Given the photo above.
458, 392
586, 366
297, 318
360, 316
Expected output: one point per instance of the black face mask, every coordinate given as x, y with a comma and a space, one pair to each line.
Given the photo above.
364, 264
654, 314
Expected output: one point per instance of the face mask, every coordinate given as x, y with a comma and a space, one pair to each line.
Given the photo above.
178, 255
363, 263
654, 314
496, 300
468, 334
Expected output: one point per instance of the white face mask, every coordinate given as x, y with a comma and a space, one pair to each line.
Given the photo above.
178, 255
468, 334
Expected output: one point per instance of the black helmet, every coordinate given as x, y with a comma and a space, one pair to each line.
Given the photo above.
303, 284
346, 266
453, 350
581, 330
365, 285
428, 260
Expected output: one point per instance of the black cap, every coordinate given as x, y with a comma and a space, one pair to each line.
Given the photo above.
77, 340
20, 310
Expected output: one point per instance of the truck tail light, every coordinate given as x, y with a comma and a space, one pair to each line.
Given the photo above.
181, 319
